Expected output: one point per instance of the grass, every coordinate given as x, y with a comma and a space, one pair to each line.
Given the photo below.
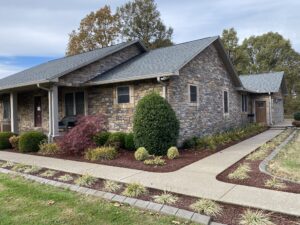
48, 173
165, 198
206, 206
29, 203
86, 180
134, 190
287, 162
275, 183
250, 217
241, 172
65, 178
111, 186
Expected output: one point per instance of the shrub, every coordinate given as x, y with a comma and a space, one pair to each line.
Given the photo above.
134, 190
297, 116
116, 140
65, 178
141, 154
105, 152
111, 186
173, 153
14, 141
48, 173
29, 141
7, 164
165, 198
20, 167
32, 169
255, 217
101, 138
275, 183
80, 137
190, 143
48, 148
129, 142
206, 206
86, 180
4, 140
241, 172
155, 125
157, 161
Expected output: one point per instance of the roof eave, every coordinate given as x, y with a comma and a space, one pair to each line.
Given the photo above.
9, 87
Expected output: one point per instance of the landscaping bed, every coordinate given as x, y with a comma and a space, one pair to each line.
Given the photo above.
253, 176
229, 214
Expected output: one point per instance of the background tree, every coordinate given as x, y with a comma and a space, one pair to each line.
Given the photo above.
98, 29
140, 19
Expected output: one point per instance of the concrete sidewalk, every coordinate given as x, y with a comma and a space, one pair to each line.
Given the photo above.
197, 179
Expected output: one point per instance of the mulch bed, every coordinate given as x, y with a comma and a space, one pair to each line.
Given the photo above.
230, 213
126, 158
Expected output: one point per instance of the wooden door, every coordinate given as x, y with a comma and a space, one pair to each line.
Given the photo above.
37, 111
261, 112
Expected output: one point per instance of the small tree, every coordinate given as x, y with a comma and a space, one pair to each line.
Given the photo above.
155, 125
81, 136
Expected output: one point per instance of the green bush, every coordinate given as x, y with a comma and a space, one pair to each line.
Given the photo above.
173, 153
14, 141
297, 116
101, 138
4, 140
155, 125
141, 154
30, 141
116, 140
190, 143
105, 152
129, 142
48, 148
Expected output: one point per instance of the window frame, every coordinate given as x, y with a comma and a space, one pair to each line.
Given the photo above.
244, 103
223, 99
74, 102
129, 94
6, 99
190, 93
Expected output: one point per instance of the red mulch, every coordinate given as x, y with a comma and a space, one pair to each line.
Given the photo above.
230, 213
256, 177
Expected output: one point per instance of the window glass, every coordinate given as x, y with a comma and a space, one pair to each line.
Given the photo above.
79, 103
226, 102
6, 107
123, 94
244, 103
193, 93
69, 104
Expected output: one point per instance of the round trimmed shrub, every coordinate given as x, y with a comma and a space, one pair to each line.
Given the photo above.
141, 154
4, 140
155, 124
101, 138
30, 141
297, 116
173, 153
129, 142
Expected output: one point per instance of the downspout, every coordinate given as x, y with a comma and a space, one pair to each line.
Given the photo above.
50, 110
270, 109
164, 84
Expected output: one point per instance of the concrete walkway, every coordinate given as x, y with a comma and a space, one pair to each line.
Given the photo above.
197, 179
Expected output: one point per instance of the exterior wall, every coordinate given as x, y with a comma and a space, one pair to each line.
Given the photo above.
277, 108
86, 73
25, 111
206, 117
102, 99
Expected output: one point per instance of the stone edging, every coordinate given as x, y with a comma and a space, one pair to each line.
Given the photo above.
265, 162
145, 205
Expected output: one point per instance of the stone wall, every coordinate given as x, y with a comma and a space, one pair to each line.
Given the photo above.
102, 99
208, 73
277, 108
90, 71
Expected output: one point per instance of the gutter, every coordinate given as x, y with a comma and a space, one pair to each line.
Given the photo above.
161, 80
270, 109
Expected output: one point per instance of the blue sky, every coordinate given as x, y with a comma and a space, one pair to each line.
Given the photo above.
35, 31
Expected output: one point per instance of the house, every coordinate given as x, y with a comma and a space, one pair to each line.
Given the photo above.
196, 77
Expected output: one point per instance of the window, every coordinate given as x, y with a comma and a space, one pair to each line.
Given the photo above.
6, 107
193, 94
123, 94
244, 103
74, 103
225, 102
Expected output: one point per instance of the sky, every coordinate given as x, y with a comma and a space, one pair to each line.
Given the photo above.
35, 31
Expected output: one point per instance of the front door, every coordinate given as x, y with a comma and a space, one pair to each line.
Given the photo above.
261, 112
37, 111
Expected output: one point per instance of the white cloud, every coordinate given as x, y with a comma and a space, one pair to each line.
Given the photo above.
6, 70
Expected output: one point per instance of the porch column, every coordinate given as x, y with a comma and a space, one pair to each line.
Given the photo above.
13, 112
54, 113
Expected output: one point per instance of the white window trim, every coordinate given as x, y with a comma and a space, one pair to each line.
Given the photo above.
226, 114
130, 94
189, 94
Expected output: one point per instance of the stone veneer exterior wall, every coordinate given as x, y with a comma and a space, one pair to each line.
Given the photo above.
208, 73
90, 71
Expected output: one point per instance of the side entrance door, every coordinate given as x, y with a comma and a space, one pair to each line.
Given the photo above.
261, 112
37, 111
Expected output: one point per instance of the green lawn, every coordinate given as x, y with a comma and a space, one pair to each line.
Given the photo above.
287, 163
24, 202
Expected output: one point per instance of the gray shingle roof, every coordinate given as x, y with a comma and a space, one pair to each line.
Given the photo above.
162, 61
263, 83
55, 68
